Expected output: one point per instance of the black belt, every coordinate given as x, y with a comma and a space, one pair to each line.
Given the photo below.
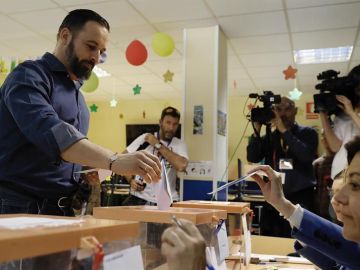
61, 202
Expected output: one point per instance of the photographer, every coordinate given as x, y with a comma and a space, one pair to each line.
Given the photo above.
292, 145
346, 124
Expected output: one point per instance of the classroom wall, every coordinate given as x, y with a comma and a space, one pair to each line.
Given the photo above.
108, 129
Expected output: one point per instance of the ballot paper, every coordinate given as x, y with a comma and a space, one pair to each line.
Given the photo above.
131, 258
236, 181
162, 188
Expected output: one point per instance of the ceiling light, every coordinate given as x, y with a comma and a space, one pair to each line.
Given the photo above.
324, 55
100, 72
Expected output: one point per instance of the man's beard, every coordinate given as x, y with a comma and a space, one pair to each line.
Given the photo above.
79, 68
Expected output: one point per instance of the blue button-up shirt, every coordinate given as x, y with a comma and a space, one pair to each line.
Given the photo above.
42, 112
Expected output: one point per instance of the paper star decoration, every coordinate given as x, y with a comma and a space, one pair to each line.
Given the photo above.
290, 73
137, 89
295, 94
168, 76
113, 103
93, 108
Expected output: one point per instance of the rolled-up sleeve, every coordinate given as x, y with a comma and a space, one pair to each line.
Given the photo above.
29, 102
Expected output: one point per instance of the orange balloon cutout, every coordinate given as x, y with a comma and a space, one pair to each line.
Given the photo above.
136, 53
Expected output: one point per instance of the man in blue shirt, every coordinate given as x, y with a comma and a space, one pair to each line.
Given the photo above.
44, 121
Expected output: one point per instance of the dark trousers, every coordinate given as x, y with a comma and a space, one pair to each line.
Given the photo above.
15, 202
272, 224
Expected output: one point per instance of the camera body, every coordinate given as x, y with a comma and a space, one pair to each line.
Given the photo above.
265, 114
330, 86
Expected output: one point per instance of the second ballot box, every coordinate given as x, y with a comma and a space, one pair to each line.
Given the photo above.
153, 222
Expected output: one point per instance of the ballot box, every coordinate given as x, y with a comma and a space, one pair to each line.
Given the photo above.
239, 223
153, 222
36, 242
234, 210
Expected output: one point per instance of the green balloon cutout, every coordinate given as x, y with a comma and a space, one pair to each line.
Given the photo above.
163, 44
91, 84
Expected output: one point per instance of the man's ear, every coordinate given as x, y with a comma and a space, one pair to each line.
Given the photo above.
65, 36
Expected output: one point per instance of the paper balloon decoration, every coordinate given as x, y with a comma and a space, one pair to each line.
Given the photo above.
136, 53
163, 44
91, 84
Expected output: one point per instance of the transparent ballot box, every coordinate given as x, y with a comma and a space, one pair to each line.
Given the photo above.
234, 210
153, 222
41, 242
239, 224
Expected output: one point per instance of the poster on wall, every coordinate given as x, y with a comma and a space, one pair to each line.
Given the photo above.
199, 168
221, 123
310, 111
198, 120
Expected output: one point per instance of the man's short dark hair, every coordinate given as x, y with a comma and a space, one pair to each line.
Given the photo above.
170, 111
352, 147
76, 19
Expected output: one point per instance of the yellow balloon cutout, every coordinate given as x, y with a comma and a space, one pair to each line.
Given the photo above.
91, 84
163, 44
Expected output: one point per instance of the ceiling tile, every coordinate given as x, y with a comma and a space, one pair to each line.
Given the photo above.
118, 13
324, 39
268, 59
170, 11
315, 69
12, 29
327, 17
267, 72
18, 6
35, 46
254, 24
35, 20
236, 7
312, 3
261, 44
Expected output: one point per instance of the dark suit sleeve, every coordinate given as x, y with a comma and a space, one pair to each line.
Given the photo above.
326, 237
255, 149
319, 259
304, 147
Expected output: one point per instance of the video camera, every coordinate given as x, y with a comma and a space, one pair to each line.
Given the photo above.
330, 86
265, 114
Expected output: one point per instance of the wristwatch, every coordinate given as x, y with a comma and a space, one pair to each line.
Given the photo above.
158, 145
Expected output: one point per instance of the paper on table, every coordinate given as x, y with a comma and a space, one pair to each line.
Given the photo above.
19, 223
163, 194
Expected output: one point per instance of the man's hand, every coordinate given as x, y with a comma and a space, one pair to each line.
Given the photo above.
183, 248
135, 185
273, 190
92, 178
346, 105
139, 163
151, 139
278, 122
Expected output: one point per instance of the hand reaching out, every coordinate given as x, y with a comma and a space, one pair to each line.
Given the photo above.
139, 163
184, 248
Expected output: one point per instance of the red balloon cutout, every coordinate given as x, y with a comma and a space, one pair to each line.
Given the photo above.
136, 53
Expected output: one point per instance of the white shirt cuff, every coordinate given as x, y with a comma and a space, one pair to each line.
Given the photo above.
296, 217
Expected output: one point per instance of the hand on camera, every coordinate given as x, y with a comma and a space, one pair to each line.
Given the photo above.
278, 122
345, 105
